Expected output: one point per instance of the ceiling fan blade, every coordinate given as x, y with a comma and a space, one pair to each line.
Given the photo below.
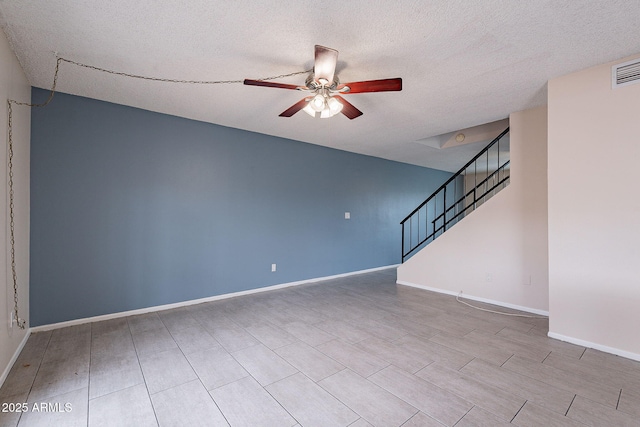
295, 108
384, 85
270, 84
347, 108
325, 63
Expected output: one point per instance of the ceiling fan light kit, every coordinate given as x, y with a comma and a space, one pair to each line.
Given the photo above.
323, 105
324, 86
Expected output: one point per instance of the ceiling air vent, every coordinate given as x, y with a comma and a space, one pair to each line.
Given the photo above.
626, 73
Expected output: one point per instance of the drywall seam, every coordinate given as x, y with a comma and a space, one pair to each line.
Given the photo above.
200, 301
589, 344
474, 298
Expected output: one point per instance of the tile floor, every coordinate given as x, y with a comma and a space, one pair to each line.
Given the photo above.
358, 351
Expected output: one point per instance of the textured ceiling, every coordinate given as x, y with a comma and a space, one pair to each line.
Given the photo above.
463, 63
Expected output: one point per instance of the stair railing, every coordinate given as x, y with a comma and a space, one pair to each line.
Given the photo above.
476, 182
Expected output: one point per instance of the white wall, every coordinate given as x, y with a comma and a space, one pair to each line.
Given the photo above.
506, 237
13, 85
594, 211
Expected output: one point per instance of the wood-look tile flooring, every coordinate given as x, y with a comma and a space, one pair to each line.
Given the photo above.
356, 351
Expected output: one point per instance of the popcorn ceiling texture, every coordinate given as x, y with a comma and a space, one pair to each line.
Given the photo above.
462, 63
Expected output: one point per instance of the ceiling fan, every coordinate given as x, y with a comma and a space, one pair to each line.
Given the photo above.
325, 88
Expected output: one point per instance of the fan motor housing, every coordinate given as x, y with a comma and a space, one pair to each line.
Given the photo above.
312, 84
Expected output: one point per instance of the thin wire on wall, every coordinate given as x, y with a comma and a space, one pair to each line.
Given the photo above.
10, 102
497, 312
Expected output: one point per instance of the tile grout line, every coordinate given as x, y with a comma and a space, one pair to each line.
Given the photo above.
146, 386
583, 352
507, 360
471, 331
279, 403
113, 392
331, 357
89, 370
419, 379
465, 414
574, 398
505, 327
381, 369
452, 391
514, 417
372, 383
35, 376
328, 357
336, 397
264, 387
37, 372
416, 414
462, 367
192, 368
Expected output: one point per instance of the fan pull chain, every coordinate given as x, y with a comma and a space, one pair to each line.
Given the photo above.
10, 102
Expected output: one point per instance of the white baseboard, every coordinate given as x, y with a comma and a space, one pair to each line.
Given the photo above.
604, 348
479, 299
7, 369
199, 301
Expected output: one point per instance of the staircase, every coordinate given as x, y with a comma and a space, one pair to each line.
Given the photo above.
475, 183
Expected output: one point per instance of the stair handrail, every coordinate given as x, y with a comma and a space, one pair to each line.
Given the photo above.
454, 176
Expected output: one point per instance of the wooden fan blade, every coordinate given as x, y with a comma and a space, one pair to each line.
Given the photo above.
325, 63
347, 108
384, 85
295, 108
270, 84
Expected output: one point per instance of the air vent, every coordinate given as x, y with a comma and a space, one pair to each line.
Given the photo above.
626, 73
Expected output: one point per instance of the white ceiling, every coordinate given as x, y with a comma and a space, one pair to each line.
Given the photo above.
463, 62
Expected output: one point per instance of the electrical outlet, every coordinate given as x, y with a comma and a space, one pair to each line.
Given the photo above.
273, 267
527, 280
488, 277
347, 215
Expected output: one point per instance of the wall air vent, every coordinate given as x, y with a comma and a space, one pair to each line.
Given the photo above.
625, 73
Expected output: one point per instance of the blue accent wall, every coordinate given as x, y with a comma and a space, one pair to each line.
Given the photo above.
132, 209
